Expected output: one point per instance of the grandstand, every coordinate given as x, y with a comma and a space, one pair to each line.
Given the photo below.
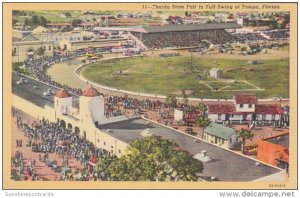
182, 36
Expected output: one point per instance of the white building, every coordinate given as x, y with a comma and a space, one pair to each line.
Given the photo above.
245, 110
216, 73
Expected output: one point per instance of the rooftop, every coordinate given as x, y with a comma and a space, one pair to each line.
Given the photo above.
62, 94
90, 92
221, 109
219, 130
282, 140
230, 109
268, 109
189, 27
225, 165
245, 99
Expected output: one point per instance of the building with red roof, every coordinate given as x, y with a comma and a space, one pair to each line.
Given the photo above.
245, 109
274, 150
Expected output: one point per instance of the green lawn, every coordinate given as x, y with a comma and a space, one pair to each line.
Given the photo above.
164, 76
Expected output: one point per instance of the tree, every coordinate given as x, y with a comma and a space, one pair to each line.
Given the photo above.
244, 134
76, 22
42, 21
185, 97
171, 101
203, 122
40, 51
35, 21
100, 56
103, 165
152, 159
15, 21
203, 108
26, 22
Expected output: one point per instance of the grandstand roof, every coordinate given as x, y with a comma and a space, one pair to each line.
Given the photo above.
189, 27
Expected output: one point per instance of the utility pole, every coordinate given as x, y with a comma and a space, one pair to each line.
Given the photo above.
191, 60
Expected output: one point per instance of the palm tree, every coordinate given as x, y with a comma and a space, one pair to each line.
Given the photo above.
171, 101
185, 97
202, 107
244, 134
40, 52
203, 122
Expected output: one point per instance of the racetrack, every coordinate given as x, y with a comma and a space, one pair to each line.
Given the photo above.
65, 73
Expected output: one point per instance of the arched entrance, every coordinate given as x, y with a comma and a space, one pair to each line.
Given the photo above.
30, 54
62, 124
70, 127
77, 130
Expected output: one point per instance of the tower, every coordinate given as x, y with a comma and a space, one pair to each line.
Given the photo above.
62, 102
91, 106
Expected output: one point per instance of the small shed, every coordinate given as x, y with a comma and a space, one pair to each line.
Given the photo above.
220, 135
216, 73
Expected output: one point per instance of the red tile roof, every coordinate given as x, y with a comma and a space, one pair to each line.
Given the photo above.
62, 94
230, 109
268, 109
91, 92
245, 99
221, 109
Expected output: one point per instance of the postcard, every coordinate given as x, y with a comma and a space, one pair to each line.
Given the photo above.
150, 96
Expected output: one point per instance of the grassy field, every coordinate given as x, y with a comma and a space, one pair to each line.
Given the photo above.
171, 75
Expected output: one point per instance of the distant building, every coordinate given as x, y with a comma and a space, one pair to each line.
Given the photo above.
220, 135
57, 37
274, 150
216, 73
246, 110
103, 43
26, 48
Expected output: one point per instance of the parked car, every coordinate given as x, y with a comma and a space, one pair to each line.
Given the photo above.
189, 131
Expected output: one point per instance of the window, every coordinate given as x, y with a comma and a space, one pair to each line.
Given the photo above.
15, 50
273, 116
111, 151
230, 140
232, 115
112, 147
104, 143
250, 105
44, 48
241, 105
219, 116
98, 140
49, 47
119, 151
263, 117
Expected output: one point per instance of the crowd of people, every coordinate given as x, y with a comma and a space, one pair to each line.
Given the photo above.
277, 34
46, 137
248, 37
183, 39
40, 66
